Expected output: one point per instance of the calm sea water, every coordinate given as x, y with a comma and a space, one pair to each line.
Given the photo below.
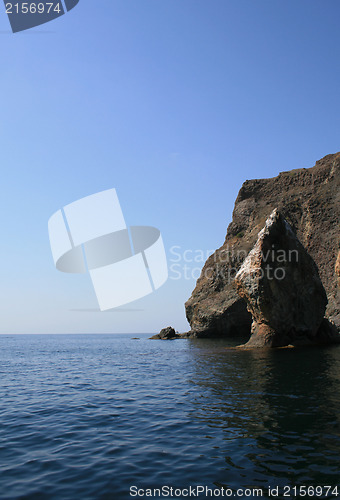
88, 416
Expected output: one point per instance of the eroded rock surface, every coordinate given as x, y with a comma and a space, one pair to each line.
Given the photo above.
309, 199
280, 283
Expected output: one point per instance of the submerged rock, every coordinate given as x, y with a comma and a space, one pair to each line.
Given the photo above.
167, 333
309, 199
280, 283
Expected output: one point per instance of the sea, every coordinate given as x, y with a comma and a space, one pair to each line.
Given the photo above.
119, 417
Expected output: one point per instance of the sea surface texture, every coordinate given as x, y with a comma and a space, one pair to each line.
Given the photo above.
89, 416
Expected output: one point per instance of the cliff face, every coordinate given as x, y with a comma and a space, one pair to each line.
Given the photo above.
309, 199
280, 282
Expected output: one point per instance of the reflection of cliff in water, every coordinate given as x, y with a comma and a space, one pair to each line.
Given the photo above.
274, 415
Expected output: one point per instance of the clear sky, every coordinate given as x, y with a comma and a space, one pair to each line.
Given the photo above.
172, 102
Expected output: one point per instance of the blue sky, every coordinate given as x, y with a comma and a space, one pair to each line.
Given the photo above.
172, 102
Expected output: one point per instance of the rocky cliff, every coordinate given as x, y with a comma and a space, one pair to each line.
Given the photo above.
281, 285
309, 199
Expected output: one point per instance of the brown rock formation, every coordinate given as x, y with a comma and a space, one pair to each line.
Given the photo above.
309, 199
281, 285
167, 333
337, 266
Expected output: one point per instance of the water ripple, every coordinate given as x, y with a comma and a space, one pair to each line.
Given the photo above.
89, 416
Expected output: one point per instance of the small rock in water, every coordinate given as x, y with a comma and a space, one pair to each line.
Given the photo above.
167, 333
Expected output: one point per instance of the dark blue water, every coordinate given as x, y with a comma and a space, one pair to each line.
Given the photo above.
88, 416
